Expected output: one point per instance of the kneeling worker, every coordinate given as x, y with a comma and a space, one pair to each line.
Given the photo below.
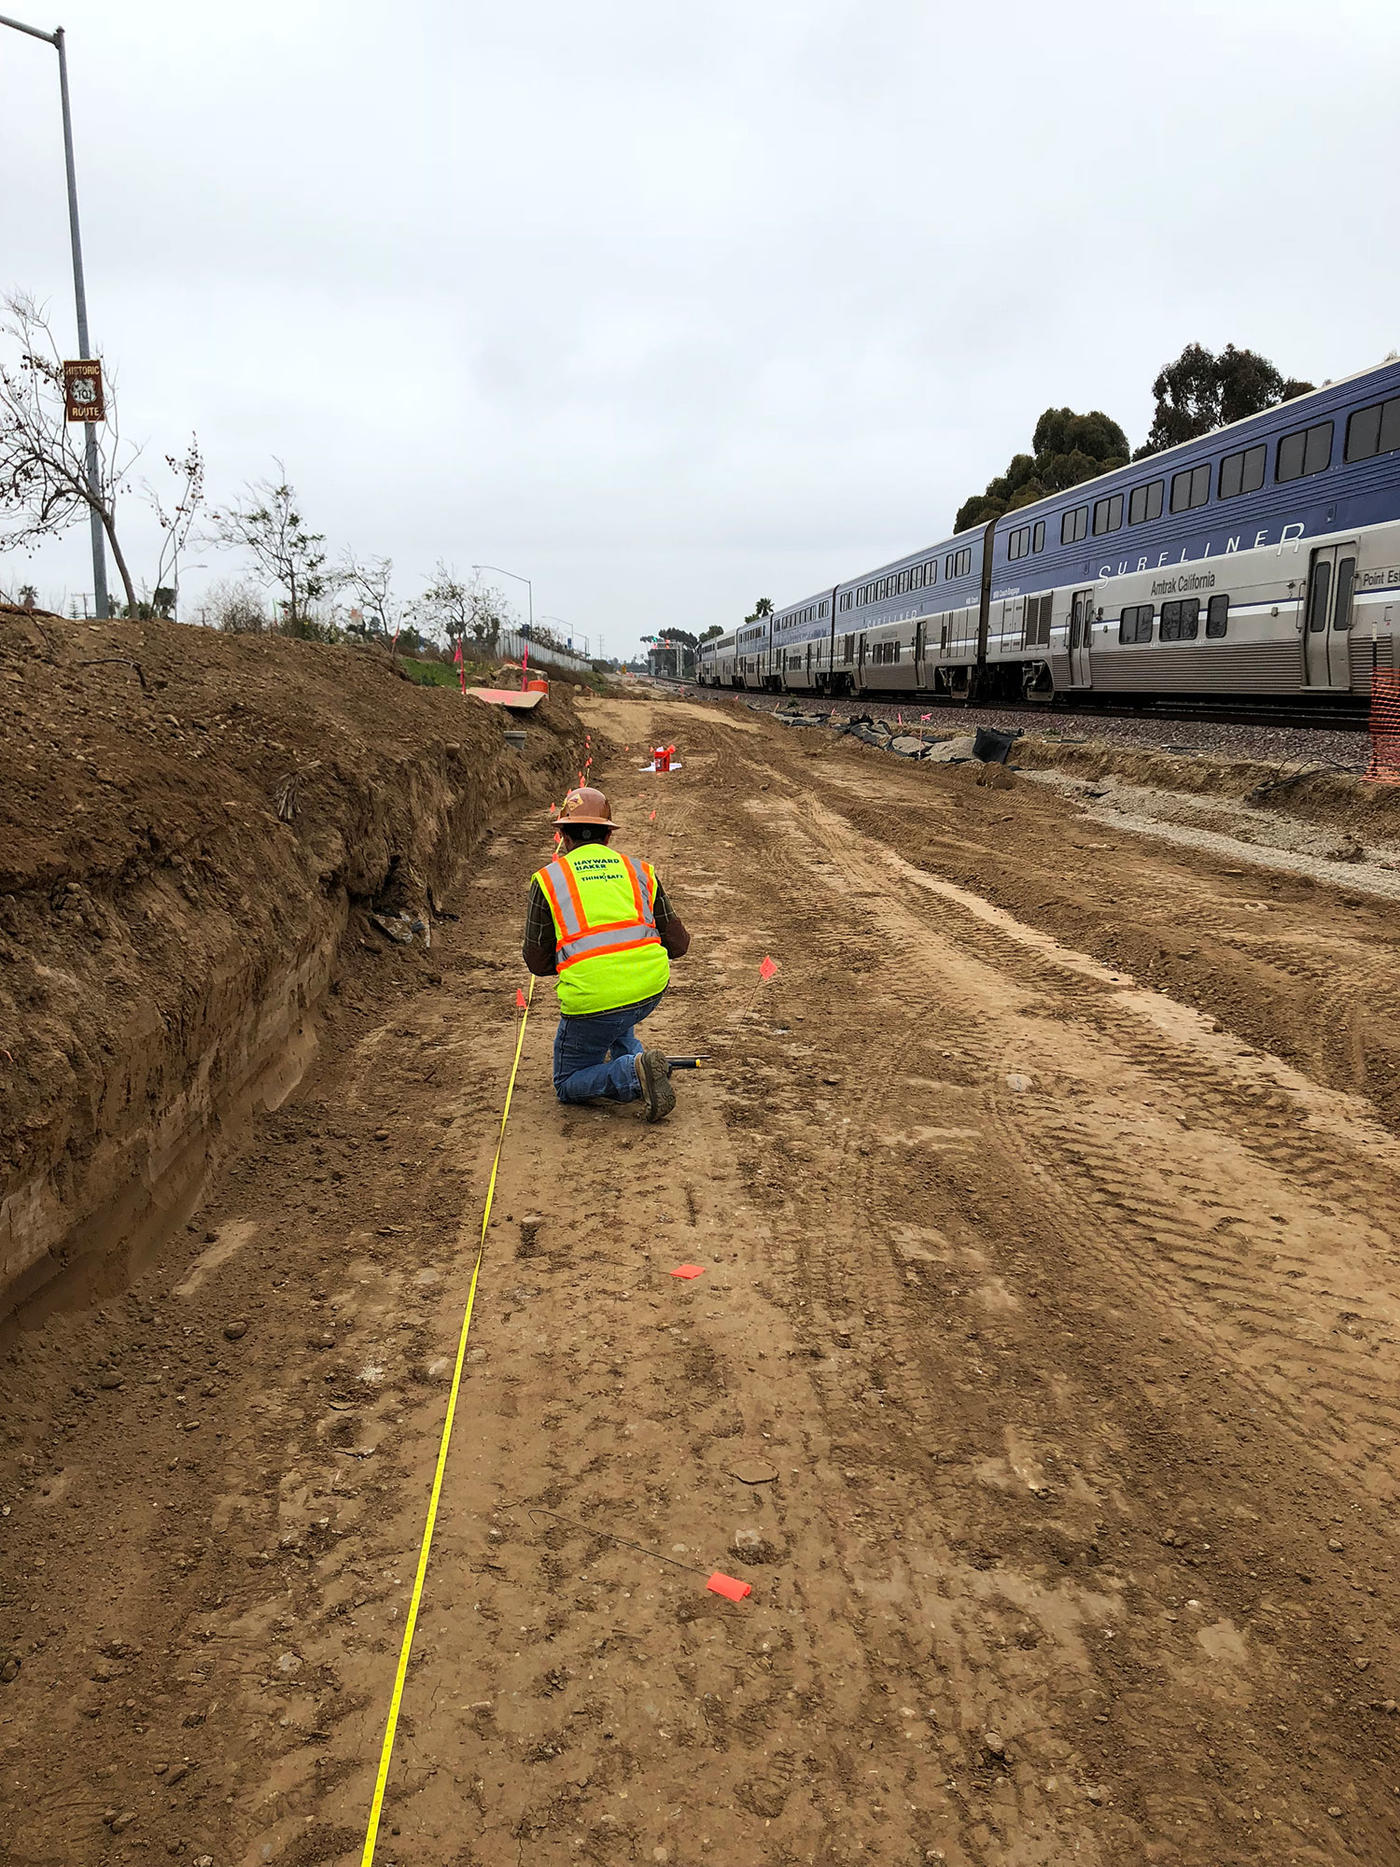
601, 921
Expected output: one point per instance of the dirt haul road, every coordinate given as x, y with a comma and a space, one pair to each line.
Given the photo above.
1041, 1380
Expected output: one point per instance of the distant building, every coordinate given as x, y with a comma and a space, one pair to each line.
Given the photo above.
669, 660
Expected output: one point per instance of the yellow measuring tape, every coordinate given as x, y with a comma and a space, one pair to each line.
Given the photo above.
406, 1650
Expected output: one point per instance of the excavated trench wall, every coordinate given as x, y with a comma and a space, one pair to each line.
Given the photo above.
188, 832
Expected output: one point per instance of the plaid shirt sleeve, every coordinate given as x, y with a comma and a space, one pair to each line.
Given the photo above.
539, 922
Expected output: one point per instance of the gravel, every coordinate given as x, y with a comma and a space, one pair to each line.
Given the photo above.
1341, 748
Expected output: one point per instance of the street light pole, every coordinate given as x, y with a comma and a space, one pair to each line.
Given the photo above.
94, 482
569, 626
501, 572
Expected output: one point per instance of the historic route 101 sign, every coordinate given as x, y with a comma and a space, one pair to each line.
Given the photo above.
82, 391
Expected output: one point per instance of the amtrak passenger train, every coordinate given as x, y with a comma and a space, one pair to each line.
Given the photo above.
1261, 560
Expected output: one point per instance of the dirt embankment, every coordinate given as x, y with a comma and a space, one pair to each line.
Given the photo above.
191, 825
1315, 791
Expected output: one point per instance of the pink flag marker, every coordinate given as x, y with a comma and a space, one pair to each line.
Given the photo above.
767, 968
688, 1271
519, 998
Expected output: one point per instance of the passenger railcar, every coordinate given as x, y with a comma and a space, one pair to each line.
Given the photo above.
1263, 559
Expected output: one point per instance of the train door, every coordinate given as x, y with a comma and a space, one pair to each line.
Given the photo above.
809, 663
1327, 617
1081, 628
918, 676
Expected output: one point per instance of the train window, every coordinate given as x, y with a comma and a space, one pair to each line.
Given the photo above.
1108, 514
1217, 617
1135, 624
1305, 451
896, 649
1074, 525
848, 653
964, 564
821, 609
1145, 502
1374, 430
1038, 538
916, 576
1346, 578
1190, 488
1317, 609
931, 571
903, 582
948, 565
1013, 546
1241, 473
1181, 620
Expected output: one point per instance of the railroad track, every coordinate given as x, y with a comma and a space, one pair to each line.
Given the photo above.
1348, 717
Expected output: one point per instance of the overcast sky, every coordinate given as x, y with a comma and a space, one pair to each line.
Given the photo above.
668, 307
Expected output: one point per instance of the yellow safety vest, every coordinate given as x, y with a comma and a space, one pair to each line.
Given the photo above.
608, 952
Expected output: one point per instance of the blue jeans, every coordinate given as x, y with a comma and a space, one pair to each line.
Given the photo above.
593, 1054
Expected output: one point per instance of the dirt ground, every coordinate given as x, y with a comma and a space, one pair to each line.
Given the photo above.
1042, 1380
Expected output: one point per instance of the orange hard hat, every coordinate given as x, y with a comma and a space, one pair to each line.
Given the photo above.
586, 805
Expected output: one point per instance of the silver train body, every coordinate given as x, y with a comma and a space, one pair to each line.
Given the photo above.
1262, 560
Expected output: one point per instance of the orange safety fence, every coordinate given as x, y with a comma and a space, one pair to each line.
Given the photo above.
1384, 767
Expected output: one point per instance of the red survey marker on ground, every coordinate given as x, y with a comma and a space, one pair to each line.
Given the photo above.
767, 968
688, 1271
729, 1586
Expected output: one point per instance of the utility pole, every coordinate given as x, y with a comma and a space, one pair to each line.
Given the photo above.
94, 481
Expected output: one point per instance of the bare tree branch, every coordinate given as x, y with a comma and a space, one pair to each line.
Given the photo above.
459, 611
369, 581
176, 521
268, 526
44, 487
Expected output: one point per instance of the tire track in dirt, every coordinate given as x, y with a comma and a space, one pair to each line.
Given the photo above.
1161, 1198
1143, 1058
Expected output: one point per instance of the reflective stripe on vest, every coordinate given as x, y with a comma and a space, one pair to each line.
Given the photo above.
606, 961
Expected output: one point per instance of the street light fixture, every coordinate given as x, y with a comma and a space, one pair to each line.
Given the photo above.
569, 626
99, 558
501, 572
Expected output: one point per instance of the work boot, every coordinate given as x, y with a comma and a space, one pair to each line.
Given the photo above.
654, 1080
